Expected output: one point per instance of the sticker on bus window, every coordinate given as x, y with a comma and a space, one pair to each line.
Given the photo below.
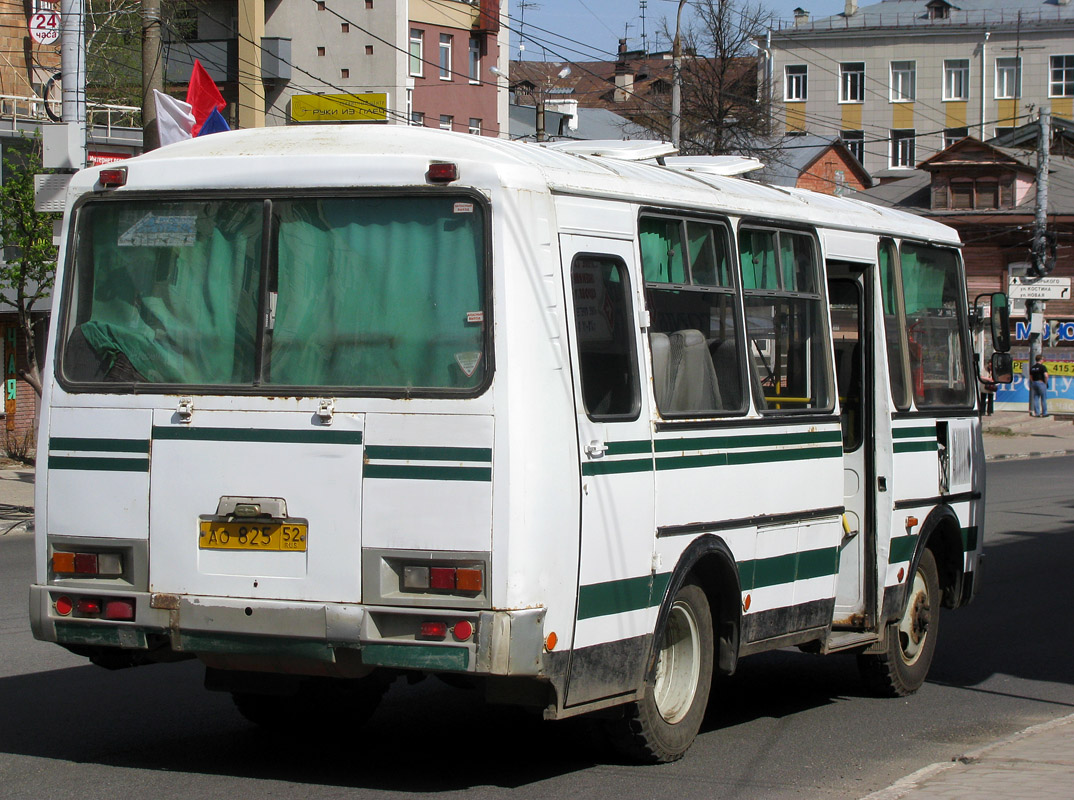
464, 208
475, 316
161, 230
468, 362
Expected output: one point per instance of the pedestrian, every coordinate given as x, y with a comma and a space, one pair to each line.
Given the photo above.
1038, 389
988, 392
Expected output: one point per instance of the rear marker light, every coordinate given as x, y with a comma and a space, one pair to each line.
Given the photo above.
433, 630
463, 630
442, 172
113, 177
109, 564
88, 606
119, 609
106, 564
63, 562
64, 606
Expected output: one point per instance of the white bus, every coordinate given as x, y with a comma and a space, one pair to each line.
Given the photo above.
324, 405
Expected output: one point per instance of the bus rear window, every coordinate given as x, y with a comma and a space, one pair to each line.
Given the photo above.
364, 293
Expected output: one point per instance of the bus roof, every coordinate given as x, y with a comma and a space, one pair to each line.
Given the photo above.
366, 155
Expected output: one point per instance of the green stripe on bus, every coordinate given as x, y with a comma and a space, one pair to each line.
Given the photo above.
99, 445
902, 548
969, 538
257, 435
785, 455
915, 447
913, 433
629, 448
619, 597
617, 467
788, 568
416, 656
90, 464
762, 440
427, 453
422, 473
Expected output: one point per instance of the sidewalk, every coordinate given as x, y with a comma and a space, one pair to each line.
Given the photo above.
1037, 762
1015, 434
16, 499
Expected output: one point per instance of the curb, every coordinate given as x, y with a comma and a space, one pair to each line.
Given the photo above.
913, 781
1038, 454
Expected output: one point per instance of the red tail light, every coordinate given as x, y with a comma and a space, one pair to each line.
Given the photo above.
113, 177
433, 630
64, 606
121, 609
88, 606
442, 172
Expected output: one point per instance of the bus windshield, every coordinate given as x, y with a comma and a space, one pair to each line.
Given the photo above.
346, 292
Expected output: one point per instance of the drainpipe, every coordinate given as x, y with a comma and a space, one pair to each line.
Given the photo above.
984, 67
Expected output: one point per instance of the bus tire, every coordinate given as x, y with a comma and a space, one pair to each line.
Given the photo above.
661, 726
910, 642
316, 701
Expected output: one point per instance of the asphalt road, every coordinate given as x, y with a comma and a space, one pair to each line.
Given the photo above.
787, 725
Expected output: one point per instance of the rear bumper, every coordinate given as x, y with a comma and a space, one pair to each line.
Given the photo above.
296, 636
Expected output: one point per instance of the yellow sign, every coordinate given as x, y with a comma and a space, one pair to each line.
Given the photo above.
371, 107
1065, 368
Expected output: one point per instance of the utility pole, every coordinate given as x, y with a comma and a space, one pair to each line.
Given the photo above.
1040, 224
676, 79
152, 76
73, 71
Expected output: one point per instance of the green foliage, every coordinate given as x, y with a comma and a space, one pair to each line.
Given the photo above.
28, 270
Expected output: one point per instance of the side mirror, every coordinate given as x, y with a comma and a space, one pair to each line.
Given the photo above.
1002, 368
1001, 324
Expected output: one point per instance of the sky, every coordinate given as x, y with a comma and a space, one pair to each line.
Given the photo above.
590, 30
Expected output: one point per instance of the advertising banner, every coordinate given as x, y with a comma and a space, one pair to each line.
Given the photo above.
1015, 396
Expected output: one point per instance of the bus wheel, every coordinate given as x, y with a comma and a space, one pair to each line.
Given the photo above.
910, 643
317, 700
663, 724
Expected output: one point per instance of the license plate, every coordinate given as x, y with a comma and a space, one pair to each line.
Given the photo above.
287, 536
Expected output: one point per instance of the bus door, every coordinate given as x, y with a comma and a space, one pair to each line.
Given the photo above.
859, 347
615, 612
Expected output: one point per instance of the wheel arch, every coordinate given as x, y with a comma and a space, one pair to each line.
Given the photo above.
942, 534
709, 559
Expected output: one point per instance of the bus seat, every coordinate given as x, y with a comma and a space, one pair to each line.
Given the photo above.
728, 377
694, 385
659, 344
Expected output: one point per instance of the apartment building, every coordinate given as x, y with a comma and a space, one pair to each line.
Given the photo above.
395, 62
900, 80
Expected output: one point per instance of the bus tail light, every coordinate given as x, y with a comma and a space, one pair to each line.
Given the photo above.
433, 630
119, 609
113, 177
460, 580
87, 564
442, 172
88, 607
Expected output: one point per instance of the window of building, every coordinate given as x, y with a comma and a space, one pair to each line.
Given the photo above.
903, 148
475, 59
694, 332
369, 49
1001, 130
604, 321
852, 82
344, 73
417, 118
795, 85
971, 194
344, 27
903, 81
320, 52
786, 320
417, 38
475, 126
1008, 78
1062, 77
447, 122
956, 79
855, 142
952, 135
445, 57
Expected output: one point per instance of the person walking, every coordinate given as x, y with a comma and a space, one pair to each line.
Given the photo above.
1038, 388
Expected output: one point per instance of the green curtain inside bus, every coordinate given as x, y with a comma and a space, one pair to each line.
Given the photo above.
378, 292
661, 250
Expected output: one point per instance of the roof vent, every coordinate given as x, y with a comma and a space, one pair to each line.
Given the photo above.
801, 17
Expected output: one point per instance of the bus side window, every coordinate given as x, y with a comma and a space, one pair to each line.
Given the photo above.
786, 320
606, 355
693, 335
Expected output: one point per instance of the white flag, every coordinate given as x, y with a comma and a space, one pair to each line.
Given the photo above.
175, 119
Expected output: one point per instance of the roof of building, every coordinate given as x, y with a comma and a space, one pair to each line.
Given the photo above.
993, 14
795, 154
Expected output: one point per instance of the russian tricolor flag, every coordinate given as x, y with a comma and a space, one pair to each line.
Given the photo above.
198, 116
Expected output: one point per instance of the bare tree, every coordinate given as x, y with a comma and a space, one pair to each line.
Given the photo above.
723, 106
